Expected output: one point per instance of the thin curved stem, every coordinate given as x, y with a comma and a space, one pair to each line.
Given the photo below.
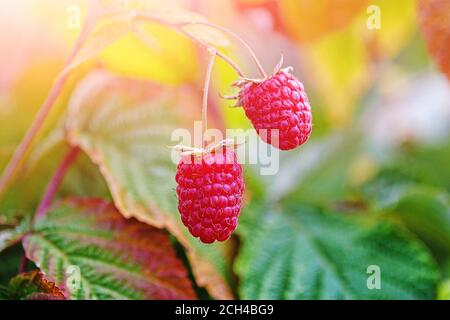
25, 144
50, 192
41, 116
55, 182
234, 35
23, 264
179, 28
218, 53
213, 53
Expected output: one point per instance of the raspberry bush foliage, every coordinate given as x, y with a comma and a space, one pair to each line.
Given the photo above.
98, 202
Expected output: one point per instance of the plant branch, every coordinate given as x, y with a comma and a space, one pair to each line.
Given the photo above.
38, 121
218, 53
234, 35
55, 182
23, 264
179, 28
213, 53
41, 116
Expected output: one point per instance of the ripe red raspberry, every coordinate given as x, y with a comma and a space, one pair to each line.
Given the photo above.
279, 103
210, 194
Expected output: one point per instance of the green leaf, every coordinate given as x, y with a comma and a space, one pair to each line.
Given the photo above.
319, 172
423, 209
104, 28
125, 127
31, 286
306, 253
22, 197
7, 238
11, 236
444, 290
428, 165
10, 262
169, 15
91, 252
4, 293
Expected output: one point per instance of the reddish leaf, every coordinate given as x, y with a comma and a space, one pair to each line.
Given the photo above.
34, 286
89, 250
435, 24
129, 140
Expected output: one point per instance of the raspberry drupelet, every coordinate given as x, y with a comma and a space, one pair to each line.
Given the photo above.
210, 190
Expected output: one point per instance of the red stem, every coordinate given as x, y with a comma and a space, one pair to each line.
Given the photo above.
179, 28
31, 133
225, 58
212, 53
55, 182
25, 144
234, 35
23, 264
